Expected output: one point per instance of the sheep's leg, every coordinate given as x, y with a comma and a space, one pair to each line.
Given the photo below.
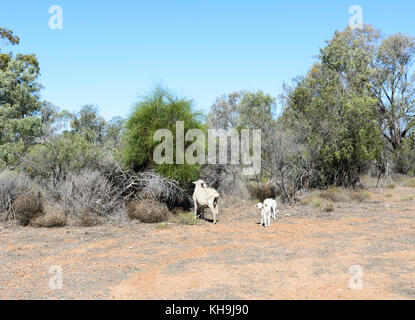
274, 212
213, 210
195, 208
262, 219
216, 205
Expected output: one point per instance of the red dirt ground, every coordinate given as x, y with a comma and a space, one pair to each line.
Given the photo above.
306, 254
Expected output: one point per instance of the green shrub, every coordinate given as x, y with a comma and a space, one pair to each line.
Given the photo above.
159, 110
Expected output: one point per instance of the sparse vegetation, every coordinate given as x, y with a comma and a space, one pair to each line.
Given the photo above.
360, 195
330, 133
410, 184
184, 218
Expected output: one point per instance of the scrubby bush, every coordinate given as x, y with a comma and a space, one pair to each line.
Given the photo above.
11, 186
28, 206
148, 211
58, 156
86, 191
14, 186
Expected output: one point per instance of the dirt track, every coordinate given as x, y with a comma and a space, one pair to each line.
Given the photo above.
305, 255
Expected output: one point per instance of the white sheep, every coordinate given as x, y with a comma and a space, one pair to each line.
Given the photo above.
265, 214
273, 205
205, 197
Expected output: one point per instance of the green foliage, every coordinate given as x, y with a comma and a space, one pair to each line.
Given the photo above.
7, 37
60, 155
20, 104
243, 109
159, 110
339, 127
405, 158
88, 123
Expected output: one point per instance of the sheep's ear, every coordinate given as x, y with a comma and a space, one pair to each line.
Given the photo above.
194, 182
204, 185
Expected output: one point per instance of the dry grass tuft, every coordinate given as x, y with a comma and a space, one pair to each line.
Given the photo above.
148, 211
332, 194
89, 219
54, 217
360, 195
329, 206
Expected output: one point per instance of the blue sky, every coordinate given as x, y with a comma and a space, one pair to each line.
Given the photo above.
109, 53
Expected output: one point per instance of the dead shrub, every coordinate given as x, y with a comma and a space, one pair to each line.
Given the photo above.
262, 191
54, 217
148, 211
28, 206
12, 185
87, 191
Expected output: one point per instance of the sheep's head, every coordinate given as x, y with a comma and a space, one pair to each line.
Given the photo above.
259, 205
200, 183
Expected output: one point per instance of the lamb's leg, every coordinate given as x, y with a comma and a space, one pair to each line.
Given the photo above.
262, 218
274, 212
195, 202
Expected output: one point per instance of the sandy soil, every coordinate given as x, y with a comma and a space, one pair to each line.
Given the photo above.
306, 254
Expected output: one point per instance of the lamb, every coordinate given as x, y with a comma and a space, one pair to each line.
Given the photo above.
206, 197
265, 214
273, 205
